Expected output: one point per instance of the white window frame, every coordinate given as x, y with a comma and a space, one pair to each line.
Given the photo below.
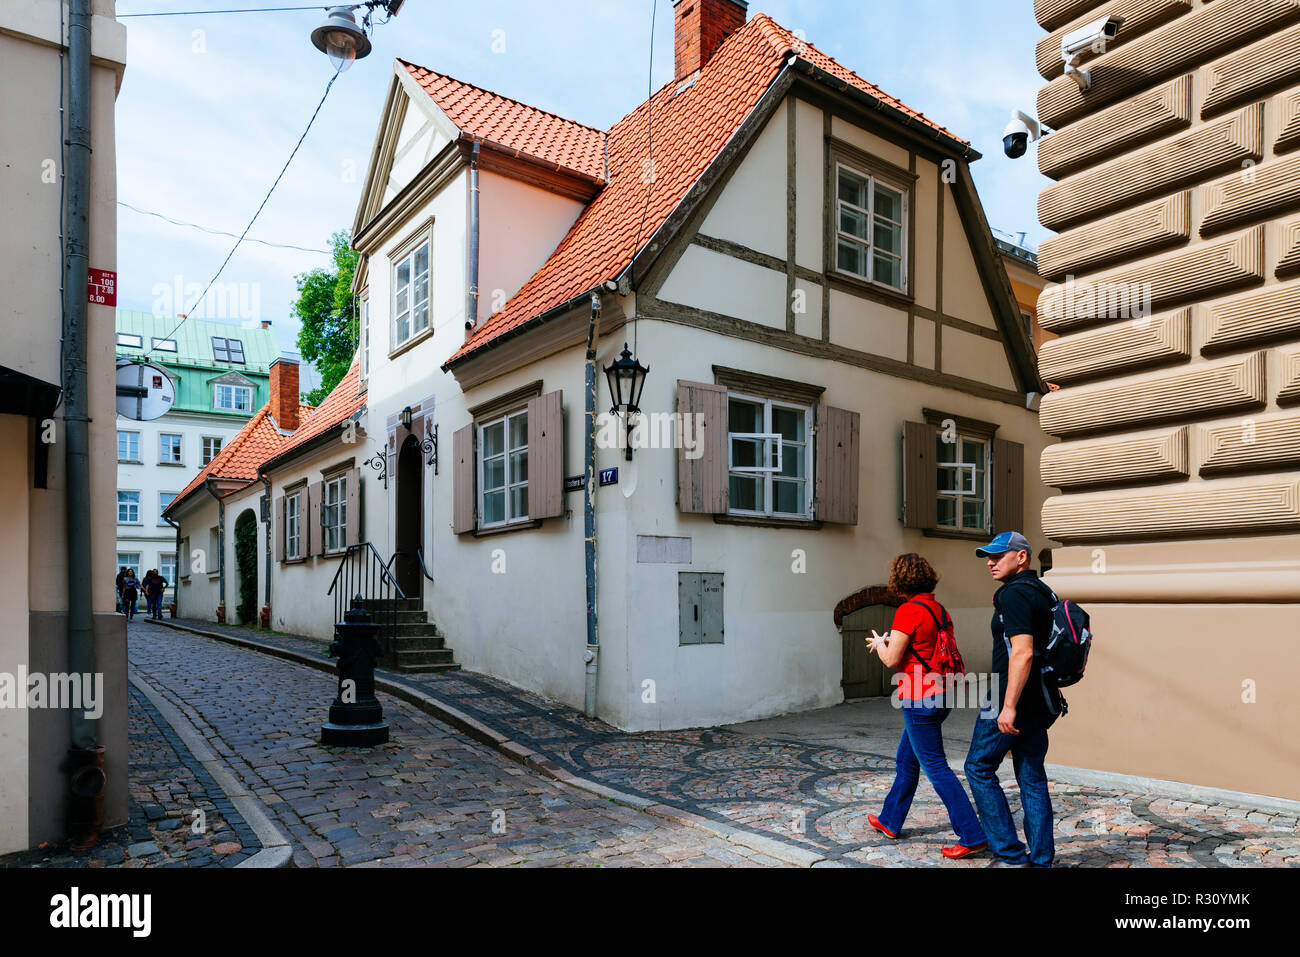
770, 472
134, 566
407, 257
162, 345
171, 497
180, 448
292, 526
365, 338
507, 451
162, 563
870, 243
204, 442
334, 514
136, 437
130, 340
965, 491
129, 505
234, 391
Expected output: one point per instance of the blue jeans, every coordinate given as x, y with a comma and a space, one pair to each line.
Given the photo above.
921, 747
988, 746
155, 605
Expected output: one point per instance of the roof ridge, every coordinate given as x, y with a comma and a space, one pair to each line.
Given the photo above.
510, 99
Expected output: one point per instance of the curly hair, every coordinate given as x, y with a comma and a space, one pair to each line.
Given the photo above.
911, 574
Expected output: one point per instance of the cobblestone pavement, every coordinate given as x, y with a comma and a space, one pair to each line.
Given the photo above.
430, 796
818, 798
178, 816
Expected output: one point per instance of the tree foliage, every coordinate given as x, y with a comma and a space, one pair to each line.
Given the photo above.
328, 312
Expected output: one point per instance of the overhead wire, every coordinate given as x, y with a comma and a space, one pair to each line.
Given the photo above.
220, 232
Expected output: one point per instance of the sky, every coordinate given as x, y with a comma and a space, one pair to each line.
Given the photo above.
211, 106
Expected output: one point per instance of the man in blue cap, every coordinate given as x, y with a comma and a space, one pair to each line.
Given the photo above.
1022, 624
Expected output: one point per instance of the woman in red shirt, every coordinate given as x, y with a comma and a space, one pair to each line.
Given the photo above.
908, 649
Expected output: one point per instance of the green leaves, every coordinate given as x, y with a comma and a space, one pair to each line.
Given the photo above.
328, 312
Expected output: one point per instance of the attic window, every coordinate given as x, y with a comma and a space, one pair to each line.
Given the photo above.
228, 350
127, 339
164, 345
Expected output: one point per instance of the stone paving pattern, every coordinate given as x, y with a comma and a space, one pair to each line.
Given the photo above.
818, 798
167, 786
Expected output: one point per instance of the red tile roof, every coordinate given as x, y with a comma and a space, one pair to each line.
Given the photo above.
240, 457
690, 129
516, 126
342, 402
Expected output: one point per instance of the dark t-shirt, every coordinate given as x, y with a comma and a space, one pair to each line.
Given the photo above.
1022, 606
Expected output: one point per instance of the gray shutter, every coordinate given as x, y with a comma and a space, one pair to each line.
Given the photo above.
836, 487
545, 456
702, 482
1008, 486
353, 517
279, 529
463, 469
920, 481
315, 540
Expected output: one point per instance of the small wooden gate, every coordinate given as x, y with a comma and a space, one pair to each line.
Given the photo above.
864, 674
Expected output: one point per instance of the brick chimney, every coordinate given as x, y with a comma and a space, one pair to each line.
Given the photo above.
284, 393
701, 26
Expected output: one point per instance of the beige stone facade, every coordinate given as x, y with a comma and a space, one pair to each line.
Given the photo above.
1174, 296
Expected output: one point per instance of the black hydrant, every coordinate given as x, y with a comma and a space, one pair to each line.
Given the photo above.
356, 717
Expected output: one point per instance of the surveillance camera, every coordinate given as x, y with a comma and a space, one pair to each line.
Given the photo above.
1016, 137
1092, 37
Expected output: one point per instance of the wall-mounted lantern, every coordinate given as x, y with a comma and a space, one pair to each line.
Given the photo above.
626, 381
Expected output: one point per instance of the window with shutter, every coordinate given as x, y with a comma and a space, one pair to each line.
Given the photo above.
837, 465
702, 473
958, 478
545, 459
463, 474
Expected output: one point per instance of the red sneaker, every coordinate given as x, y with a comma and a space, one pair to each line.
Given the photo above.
875, 822
958, 851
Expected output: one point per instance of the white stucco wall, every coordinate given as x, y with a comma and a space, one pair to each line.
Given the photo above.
751, 211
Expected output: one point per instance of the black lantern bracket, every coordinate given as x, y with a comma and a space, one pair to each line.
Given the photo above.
626, 377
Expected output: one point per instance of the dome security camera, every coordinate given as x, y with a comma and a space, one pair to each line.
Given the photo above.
1018, 134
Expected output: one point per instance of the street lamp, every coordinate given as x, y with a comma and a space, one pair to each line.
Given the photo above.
626, 380
341, 38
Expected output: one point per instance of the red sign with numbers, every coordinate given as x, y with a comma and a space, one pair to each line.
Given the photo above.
101, 287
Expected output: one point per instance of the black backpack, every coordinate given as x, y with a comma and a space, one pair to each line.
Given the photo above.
1062, 661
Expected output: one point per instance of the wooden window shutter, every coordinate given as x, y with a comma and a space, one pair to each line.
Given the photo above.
702, 484
463, 479
279, 529
920, 478
315, 540
1008, 474
353, 517
835, 492
545, 456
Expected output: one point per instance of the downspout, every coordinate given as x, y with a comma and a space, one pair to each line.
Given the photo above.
221, 545
471, 308
85, 757
270, 534
176, 585
592, 655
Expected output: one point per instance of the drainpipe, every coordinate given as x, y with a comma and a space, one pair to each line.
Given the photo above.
85, 757
176, 585
592, 655
221, 544
471, 309
270, 535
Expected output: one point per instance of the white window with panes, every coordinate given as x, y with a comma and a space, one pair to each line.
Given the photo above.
769, 457
334, 517
128, 446
167, 567
129, 560
232, 398
292, 525
871, 228
164, 499
503, 470
963, 486
211, 446
169, 449
128, 507
411, 293
228, 350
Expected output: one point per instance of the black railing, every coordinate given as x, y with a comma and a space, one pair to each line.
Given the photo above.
363, 574
407, 556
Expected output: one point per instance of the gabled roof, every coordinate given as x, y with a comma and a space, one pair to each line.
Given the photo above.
343, 402
240, 458
522, 129
691, 126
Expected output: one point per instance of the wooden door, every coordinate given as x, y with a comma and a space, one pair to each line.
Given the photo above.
864, 675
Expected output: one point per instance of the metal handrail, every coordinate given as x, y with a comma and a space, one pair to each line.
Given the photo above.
363, 574
419, 557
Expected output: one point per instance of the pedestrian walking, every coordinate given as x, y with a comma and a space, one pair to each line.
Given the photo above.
921, 647
1026, 708
130, 593
117, 587
154, 586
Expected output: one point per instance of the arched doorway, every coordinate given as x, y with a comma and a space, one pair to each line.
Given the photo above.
246, 565
410, 517
865, 676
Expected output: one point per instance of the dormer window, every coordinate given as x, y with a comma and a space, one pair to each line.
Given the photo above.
228, 350
232, 398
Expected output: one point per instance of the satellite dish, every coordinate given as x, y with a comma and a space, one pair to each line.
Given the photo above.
144, 391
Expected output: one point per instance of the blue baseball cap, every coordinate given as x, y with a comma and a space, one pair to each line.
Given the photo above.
1006, 542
